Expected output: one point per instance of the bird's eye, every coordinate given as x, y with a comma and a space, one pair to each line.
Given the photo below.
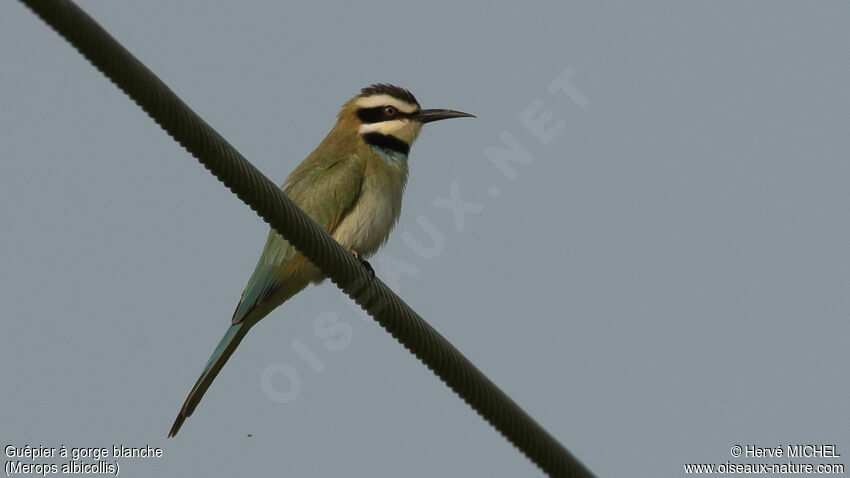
389, 110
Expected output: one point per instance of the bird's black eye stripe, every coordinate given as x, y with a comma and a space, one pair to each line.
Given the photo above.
378, 114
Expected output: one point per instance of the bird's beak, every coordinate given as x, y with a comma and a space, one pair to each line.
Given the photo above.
427, 116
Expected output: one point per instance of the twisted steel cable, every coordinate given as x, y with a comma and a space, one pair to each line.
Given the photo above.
270, 203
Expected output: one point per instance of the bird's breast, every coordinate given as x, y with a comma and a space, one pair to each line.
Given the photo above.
368, 223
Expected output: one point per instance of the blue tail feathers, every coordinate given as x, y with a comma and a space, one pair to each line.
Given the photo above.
219, 357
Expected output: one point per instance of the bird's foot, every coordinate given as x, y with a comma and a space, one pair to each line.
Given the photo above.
364, 263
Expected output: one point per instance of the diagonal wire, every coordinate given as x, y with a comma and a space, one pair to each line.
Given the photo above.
270, 203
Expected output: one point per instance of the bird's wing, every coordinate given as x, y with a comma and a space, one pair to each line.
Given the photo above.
325, 194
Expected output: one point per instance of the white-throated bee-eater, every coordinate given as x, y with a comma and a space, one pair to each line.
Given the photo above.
351, 185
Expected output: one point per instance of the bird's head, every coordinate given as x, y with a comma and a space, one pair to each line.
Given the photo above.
388, 117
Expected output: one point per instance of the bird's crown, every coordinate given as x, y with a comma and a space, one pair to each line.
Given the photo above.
392, 91
383, 102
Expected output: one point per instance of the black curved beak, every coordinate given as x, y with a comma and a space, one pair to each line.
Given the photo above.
427, 116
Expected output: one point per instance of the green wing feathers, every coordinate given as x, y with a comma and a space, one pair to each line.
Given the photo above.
325, 193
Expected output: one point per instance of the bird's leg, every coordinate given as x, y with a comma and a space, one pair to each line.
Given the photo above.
364, 263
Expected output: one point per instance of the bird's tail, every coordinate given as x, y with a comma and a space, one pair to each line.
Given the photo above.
219, 357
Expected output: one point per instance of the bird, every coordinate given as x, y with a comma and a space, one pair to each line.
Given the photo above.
352, 186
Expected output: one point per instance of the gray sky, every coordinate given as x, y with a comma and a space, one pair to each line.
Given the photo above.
665, 278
